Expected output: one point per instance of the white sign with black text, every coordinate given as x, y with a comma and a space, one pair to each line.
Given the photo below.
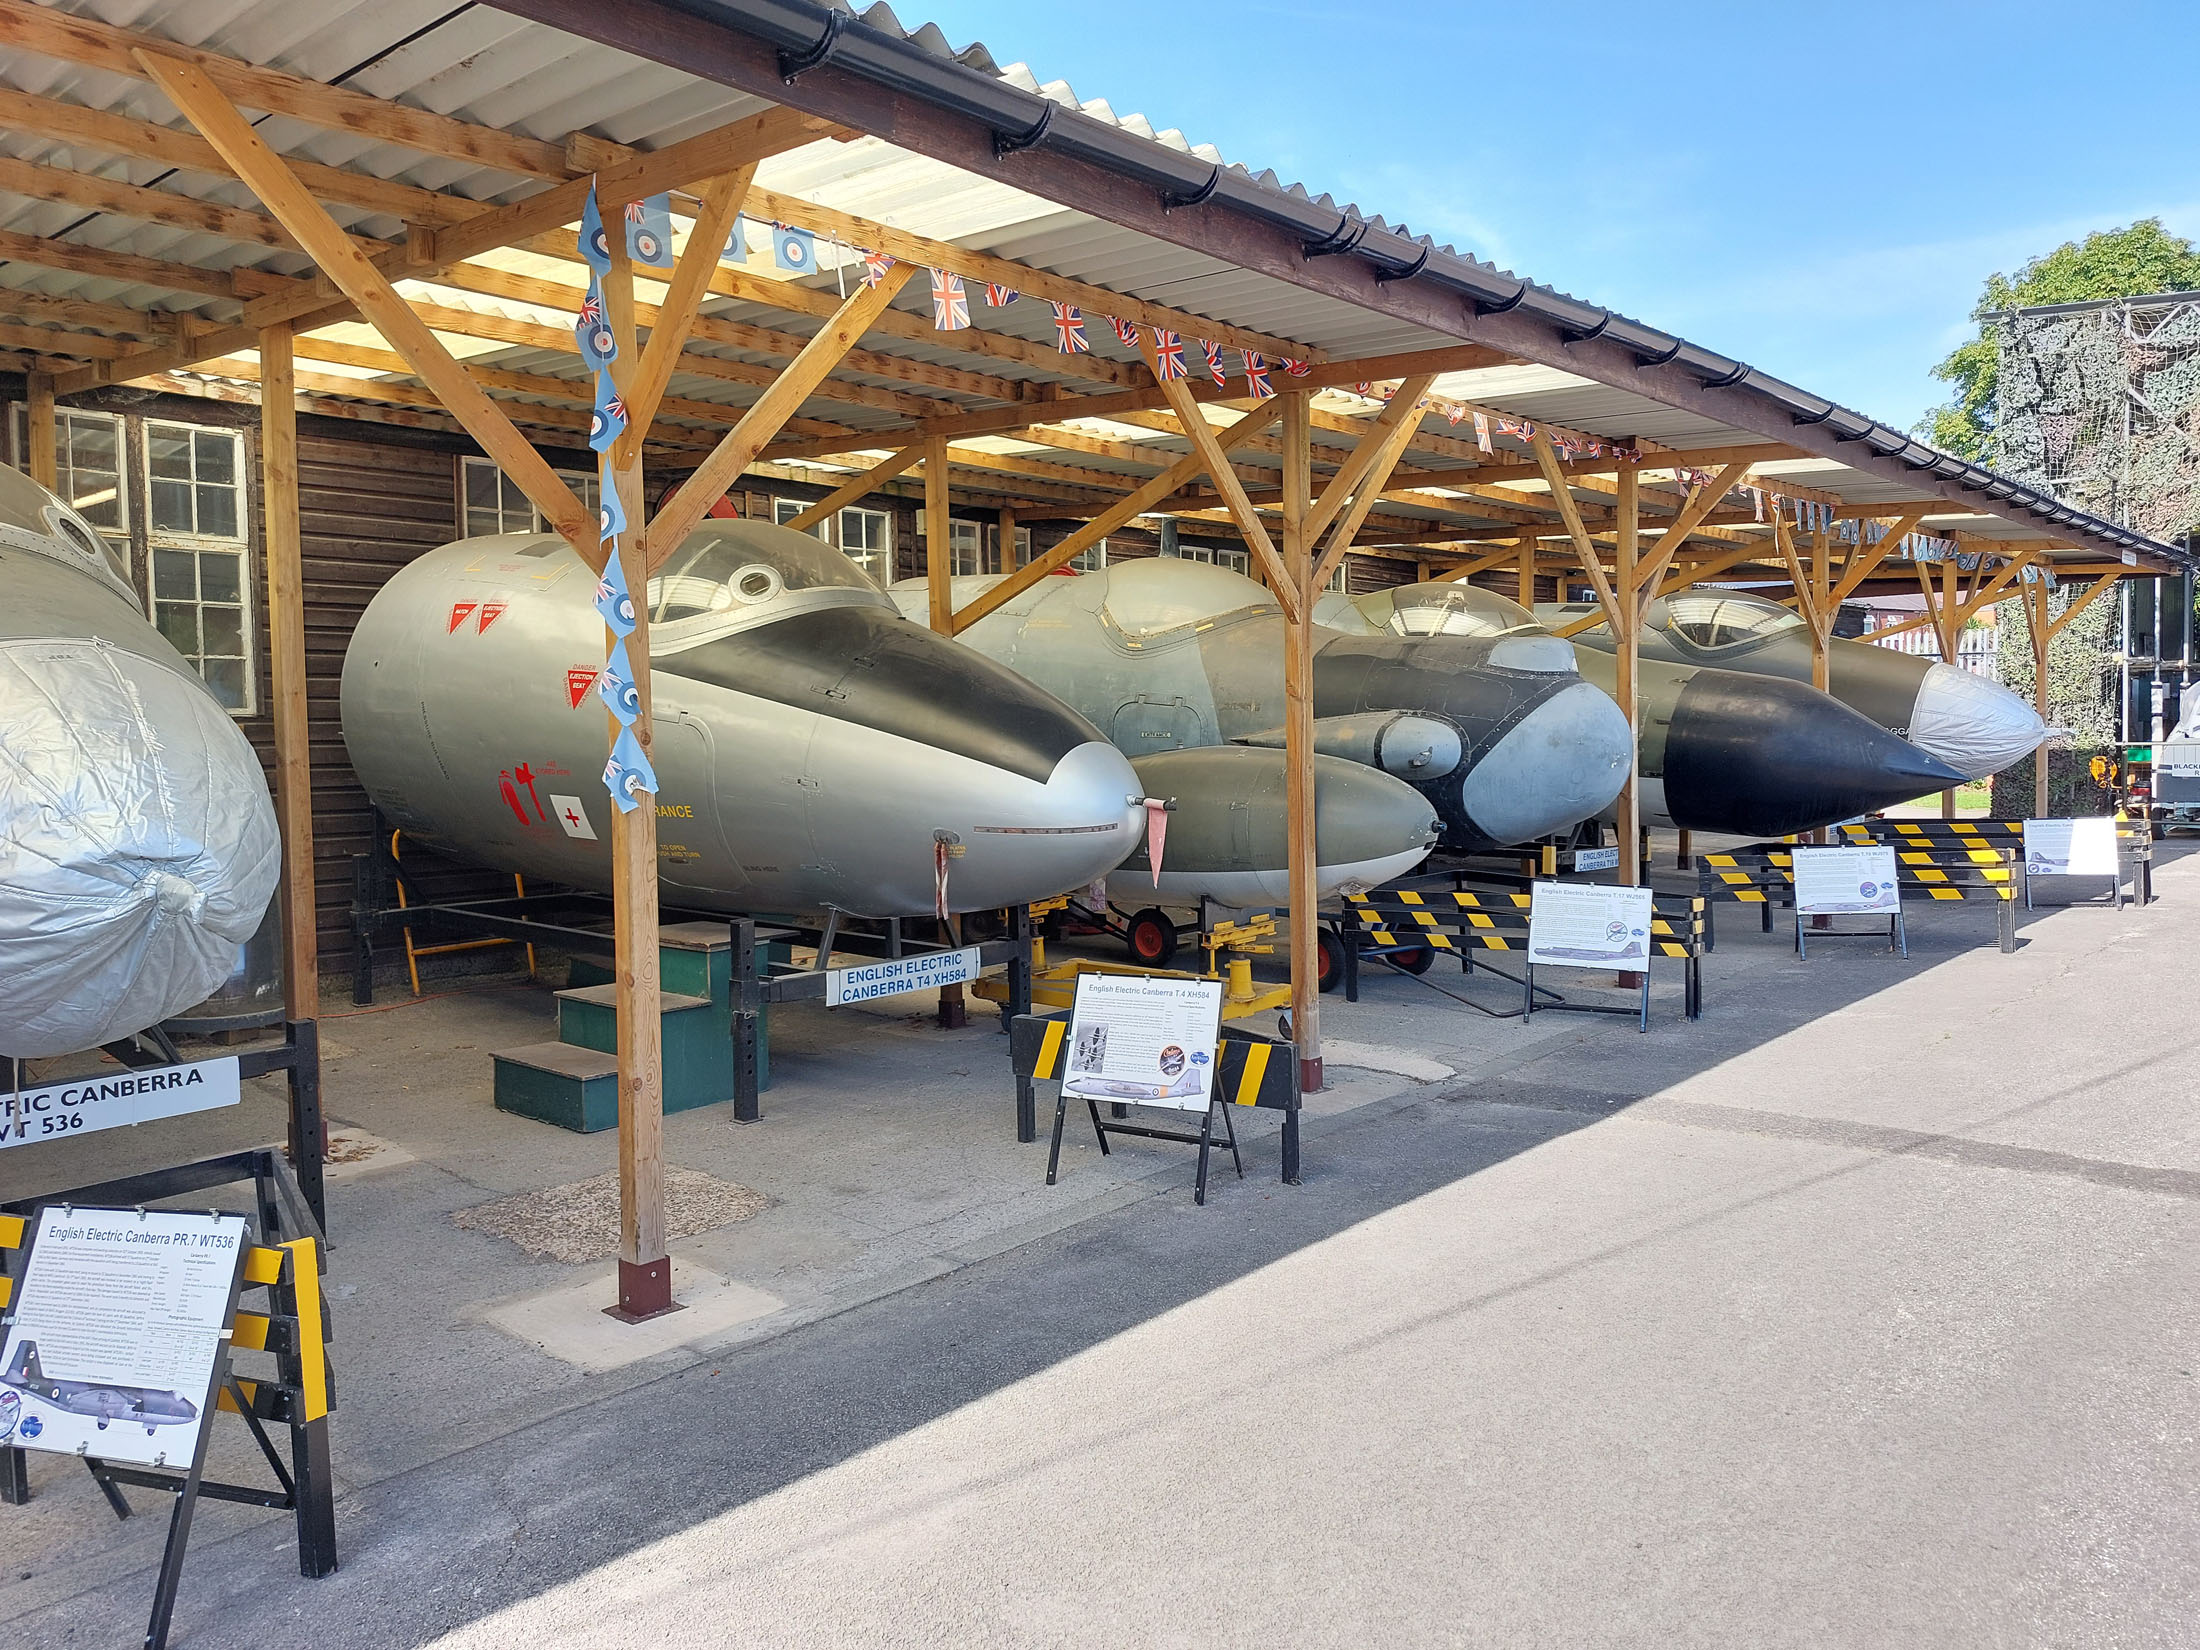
1144, 1041
1845, 881
868, 981
110, 1099
2070, 848
112, 1343
1588, 925
1596, 859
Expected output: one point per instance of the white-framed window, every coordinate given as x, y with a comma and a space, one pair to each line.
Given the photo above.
1218, 555
1092, 558
1341, 579
195, 528
994, 563
967, 550
88, 468
785, 510
867, 539
490, 501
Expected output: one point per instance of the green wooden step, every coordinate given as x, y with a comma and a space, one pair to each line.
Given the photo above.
575, 1088
698, 1045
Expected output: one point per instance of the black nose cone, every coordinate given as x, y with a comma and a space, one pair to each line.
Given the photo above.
1758, 756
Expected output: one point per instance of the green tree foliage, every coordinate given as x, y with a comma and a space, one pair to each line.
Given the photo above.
2111, 263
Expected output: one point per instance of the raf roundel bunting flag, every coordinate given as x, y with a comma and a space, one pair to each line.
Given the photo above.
593, 332
613, 602
737, 242
649, 231
793, 248
609, 416
610, 513
595, 246
628, 773
616, 687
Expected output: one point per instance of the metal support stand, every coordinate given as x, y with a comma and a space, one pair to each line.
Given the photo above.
1019, 1004
1898, 938
747, 1002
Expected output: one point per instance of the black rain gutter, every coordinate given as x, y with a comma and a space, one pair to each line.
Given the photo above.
809, 35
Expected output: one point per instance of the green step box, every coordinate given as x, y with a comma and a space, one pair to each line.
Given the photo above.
575, 1088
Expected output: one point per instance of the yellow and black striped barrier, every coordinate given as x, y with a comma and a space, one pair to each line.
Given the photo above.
1945, 865
2134, 845
1248, 1072
1405, 924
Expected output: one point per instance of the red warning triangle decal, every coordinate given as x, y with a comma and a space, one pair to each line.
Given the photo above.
490, 613
578, 680
460, 613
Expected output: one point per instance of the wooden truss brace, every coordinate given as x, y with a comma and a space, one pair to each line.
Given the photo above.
855, 487
1178, 393
677, 516
189, 88
1359, 481
1133, 504
722, 198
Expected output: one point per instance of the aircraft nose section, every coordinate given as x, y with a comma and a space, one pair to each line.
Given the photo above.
1562, 762
1759, 756
1975, 726
1033, 842
137, 844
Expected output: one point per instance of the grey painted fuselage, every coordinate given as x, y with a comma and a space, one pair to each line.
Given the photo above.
812, 747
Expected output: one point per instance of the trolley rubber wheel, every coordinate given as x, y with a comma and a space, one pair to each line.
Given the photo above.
1151, 938
1415, 961
1332, 960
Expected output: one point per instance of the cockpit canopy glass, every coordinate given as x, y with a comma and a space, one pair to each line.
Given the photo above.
726, 569
1156, 595
1460, 611
1720, 620
34, 518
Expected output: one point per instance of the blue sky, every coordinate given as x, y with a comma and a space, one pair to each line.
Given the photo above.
1820, 189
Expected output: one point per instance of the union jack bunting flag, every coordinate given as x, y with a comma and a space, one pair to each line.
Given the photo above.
1125, 330
1213, 352
1256, 375
1297, 369
950, 304
1069, 330
875, 266
998, 296
1482, 432
1526, 431
1757, 502
1567, 446
1168, 355
1596, 449
1454, 412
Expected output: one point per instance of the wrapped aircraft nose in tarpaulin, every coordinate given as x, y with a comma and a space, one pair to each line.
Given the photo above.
138, 847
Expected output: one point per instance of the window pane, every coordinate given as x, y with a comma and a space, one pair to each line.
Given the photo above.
172, 507
481, 487
168, 452
218, 512
217, 456
480, 521
175, 574
179, 622
226, 678
223, 628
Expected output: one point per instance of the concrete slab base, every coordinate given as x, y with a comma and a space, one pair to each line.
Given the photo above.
569, 1324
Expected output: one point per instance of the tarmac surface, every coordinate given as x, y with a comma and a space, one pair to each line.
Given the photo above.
1860, 1312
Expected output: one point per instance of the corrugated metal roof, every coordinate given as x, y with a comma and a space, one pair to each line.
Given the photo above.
497, 70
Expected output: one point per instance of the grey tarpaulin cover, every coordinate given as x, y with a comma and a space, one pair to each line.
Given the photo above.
138, 848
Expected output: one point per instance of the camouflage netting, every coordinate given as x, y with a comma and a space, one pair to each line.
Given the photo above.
2102, 406
2081, 667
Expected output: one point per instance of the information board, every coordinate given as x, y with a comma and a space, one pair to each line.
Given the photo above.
109, 1099
1145, 1041
111, 1348
866, 981
1845, 881
1596, 859
2070, 848
1588, 925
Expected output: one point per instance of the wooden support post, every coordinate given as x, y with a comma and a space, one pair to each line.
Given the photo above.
938, 558
1527, 572
2036, 624
286, 630
645, 1269
1298, 739
1627, 653
42, 431
1008, 538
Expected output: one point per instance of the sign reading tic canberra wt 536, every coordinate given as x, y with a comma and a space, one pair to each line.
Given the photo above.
111, 1348
108, 1100
1829, 880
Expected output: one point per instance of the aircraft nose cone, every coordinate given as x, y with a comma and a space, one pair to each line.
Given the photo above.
141, 845
1033, 842
1562, 762
1760, 756
1975, 726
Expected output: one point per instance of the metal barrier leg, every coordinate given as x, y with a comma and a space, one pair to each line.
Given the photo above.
1291, 1146
747, 1001
308, 1128
1349, 934
1054, 1152
2008, 923
362, 935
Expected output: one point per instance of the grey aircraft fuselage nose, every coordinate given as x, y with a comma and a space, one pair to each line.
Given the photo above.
814, 757
1168, 654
